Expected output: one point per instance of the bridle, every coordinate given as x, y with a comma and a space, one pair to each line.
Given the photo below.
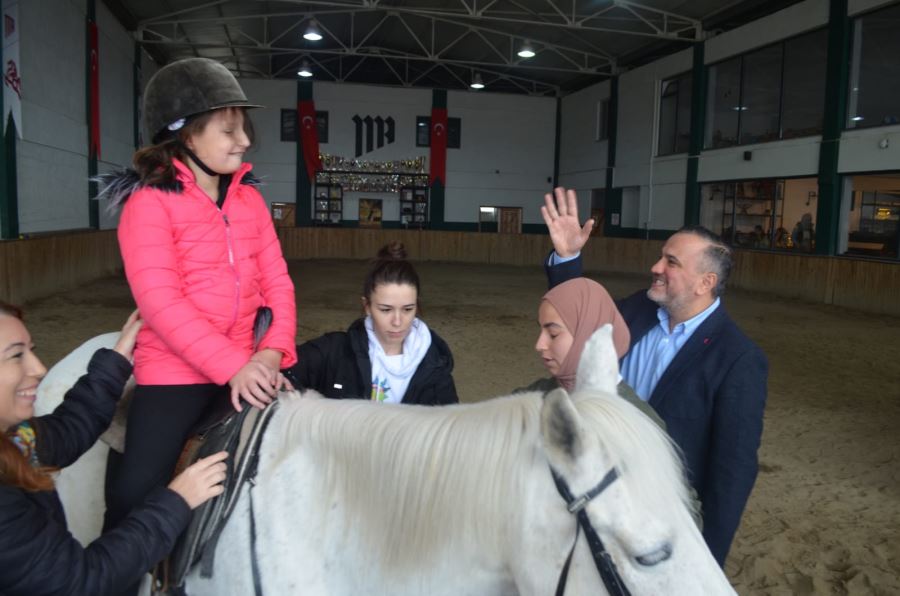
602, 559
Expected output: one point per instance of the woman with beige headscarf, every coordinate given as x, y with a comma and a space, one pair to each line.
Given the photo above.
568, 315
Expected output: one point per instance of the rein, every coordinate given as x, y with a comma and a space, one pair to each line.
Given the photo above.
602, 559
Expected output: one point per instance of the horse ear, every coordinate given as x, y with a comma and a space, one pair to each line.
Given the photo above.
561, 429
598, 369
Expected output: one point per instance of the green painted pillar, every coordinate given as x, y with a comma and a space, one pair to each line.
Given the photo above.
136, 95
9, 188
836, 79
303, 209
93, 205
9, 203
437, 191
698, 122
612, 197
556, 142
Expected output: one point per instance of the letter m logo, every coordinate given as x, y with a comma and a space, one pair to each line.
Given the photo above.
373, 133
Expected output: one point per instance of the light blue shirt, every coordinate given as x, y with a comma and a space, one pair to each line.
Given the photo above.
646, 362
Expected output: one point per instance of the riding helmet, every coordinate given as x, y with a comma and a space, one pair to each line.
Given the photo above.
186, 88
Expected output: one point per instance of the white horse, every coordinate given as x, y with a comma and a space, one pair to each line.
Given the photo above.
354, 497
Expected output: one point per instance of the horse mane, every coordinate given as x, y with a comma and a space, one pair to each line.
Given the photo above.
415, 477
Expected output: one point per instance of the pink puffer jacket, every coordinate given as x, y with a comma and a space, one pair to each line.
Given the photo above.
198, 275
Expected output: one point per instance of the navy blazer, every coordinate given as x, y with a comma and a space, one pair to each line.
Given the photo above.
712, 398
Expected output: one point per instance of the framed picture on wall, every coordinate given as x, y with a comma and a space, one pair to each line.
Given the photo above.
370, 213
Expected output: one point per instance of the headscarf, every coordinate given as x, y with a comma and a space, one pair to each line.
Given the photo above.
584, 306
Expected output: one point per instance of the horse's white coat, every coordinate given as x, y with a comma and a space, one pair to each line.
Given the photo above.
361, 498
80, 485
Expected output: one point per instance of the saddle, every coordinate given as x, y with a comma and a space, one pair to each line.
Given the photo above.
240, 434
222, 429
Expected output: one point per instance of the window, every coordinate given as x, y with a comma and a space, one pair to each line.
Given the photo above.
675, 116
602, 132
724, 98
874, 94
289, 126
776, 92
766, 214
423, 132
874, 217
760, 95
803, 98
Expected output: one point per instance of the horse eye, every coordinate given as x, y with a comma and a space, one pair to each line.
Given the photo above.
656, 557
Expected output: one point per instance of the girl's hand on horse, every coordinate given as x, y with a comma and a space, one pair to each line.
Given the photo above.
202, 480
256, 383
128, 336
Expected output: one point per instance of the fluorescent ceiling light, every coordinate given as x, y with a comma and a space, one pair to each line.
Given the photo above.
526, 51
312, 32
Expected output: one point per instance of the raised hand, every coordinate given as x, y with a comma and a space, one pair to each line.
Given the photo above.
560, 212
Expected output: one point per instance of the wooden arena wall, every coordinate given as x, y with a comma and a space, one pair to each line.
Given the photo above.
41, 266
870, 286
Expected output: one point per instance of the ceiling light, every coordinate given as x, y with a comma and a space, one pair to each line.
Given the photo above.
856, 118
526, 51
312, 31
305, 70
477, 83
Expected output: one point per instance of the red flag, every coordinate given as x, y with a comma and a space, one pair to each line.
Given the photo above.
438, 146
93, 50
309, 136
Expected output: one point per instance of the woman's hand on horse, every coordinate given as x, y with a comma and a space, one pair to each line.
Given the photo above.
256, 383
128, 336
202, 480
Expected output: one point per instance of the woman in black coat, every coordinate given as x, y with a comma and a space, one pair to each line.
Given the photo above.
390, 355
38, 555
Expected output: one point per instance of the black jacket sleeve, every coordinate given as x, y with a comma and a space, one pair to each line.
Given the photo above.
85, 413
557, 274
39, 556
309, 367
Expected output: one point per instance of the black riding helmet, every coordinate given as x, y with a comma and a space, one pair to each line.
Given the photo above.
187, 88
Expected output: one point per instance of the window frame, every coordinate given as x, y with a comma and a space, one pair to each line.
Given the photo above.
741, 57
689, 76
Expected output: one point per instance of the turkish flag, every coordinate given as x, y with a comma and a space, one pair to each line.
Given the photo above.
94, 53
309, 136
438, 146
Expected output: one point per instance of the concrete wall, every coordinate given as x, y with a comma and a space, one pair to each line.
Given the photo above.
505, 156
52, 153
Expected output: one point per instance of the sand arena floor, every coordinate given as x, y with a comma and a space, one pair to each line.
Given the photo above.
824, 517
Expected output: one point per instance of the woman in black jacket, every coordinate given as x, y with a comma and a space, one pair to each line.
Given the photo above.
38, 555
390, 355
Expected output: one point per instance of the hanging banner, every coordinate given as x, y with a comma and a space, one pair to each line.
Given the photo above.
309, 136
94, 57
438, 146
12, 75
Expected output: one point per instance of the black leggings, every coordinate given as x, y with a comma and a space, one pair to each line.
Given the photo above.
159, 422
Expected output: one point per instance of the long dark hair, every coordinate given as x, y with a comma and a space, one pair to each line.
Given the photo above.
15, 469
390, 267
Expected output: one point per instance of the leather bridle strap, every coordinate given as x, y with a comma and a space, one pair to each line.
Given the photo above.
602, 559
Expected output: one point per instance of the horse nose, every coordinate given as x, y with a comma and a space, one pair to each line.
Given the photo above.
663, 553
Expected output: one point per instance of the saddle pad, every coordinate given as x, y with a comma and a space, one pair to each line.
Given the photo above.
240, 434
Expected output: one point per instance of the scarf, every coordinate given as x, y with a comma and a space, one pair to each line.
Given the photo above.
585, 306
391, 374
23, 438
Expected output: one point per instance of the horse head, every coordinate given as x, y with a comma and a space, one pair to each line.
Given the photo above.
619, 481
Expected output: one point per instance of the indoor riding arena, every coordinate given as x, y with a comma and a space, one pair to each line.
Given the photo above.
774, 124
